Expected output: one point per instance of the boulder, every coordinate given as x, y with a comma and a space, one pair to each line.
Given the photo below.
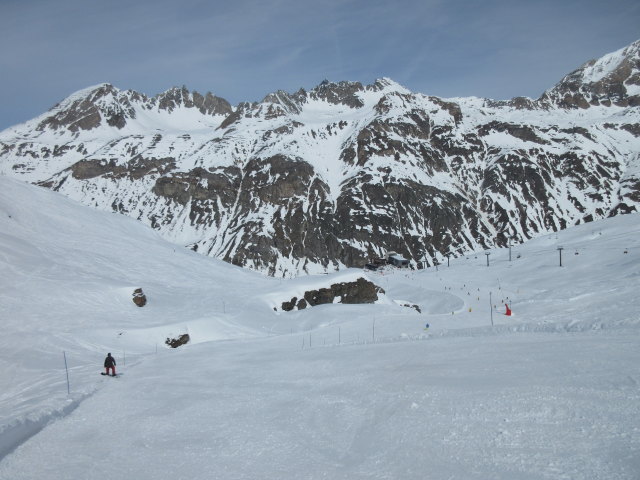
178, 342
139, 298
288, 306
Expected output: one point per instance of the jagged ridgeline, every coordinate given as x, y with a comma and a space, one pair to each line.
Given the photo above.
313, 181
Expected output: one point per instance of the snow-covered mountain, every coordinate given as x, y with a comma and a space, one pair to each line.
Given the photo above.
317, 180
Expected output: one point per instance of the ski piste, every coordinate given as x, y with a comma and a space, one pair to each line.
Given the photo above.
472, 401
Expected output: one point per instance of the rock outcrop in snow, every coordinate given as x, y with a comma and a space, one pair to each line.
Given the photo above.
317, 180
179, 341
357, 291
139, 298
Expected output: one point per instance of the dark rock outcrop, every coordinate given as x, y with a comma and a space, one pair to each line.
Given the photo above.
207, 104
139, 298
179, 341
360, 291
344, 93
412, 305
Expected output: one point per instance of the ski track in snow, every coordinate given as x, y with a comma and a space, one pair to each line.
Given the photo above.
16, 433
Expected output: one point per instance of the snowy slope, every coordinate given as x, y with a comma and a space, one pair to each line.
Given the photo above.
334, 391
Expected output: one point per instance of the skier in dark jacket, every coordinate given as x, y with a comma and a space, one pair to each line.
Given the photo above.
110, 363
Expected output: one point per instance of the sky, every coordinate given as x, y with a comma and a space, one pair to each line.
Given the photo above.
246, 49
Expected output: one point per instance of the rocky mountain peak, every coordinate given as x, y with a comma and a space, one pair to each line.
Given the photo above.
207, 104
613, 79
288, 103
85, 110
387, 84
341, 93
105, 105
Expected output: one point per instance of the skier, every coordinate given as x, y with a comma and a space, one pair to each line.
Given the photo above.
110, 364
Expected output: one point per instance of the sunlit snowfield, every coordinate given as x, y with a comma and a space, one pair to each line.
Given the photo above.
335, 391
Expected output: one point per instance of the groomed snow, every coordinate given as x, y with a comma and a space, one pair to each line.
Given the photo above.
334, 391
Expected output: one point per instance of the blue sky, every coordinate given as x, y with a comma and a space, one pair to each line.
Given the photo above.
244, 49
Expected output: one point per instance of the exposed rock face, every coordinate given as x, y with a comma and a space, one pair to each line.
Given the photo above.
87, 112
412, 305
179, 341
139, 298
342, 93
317, 180
207, 105
611, 80
360, 291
